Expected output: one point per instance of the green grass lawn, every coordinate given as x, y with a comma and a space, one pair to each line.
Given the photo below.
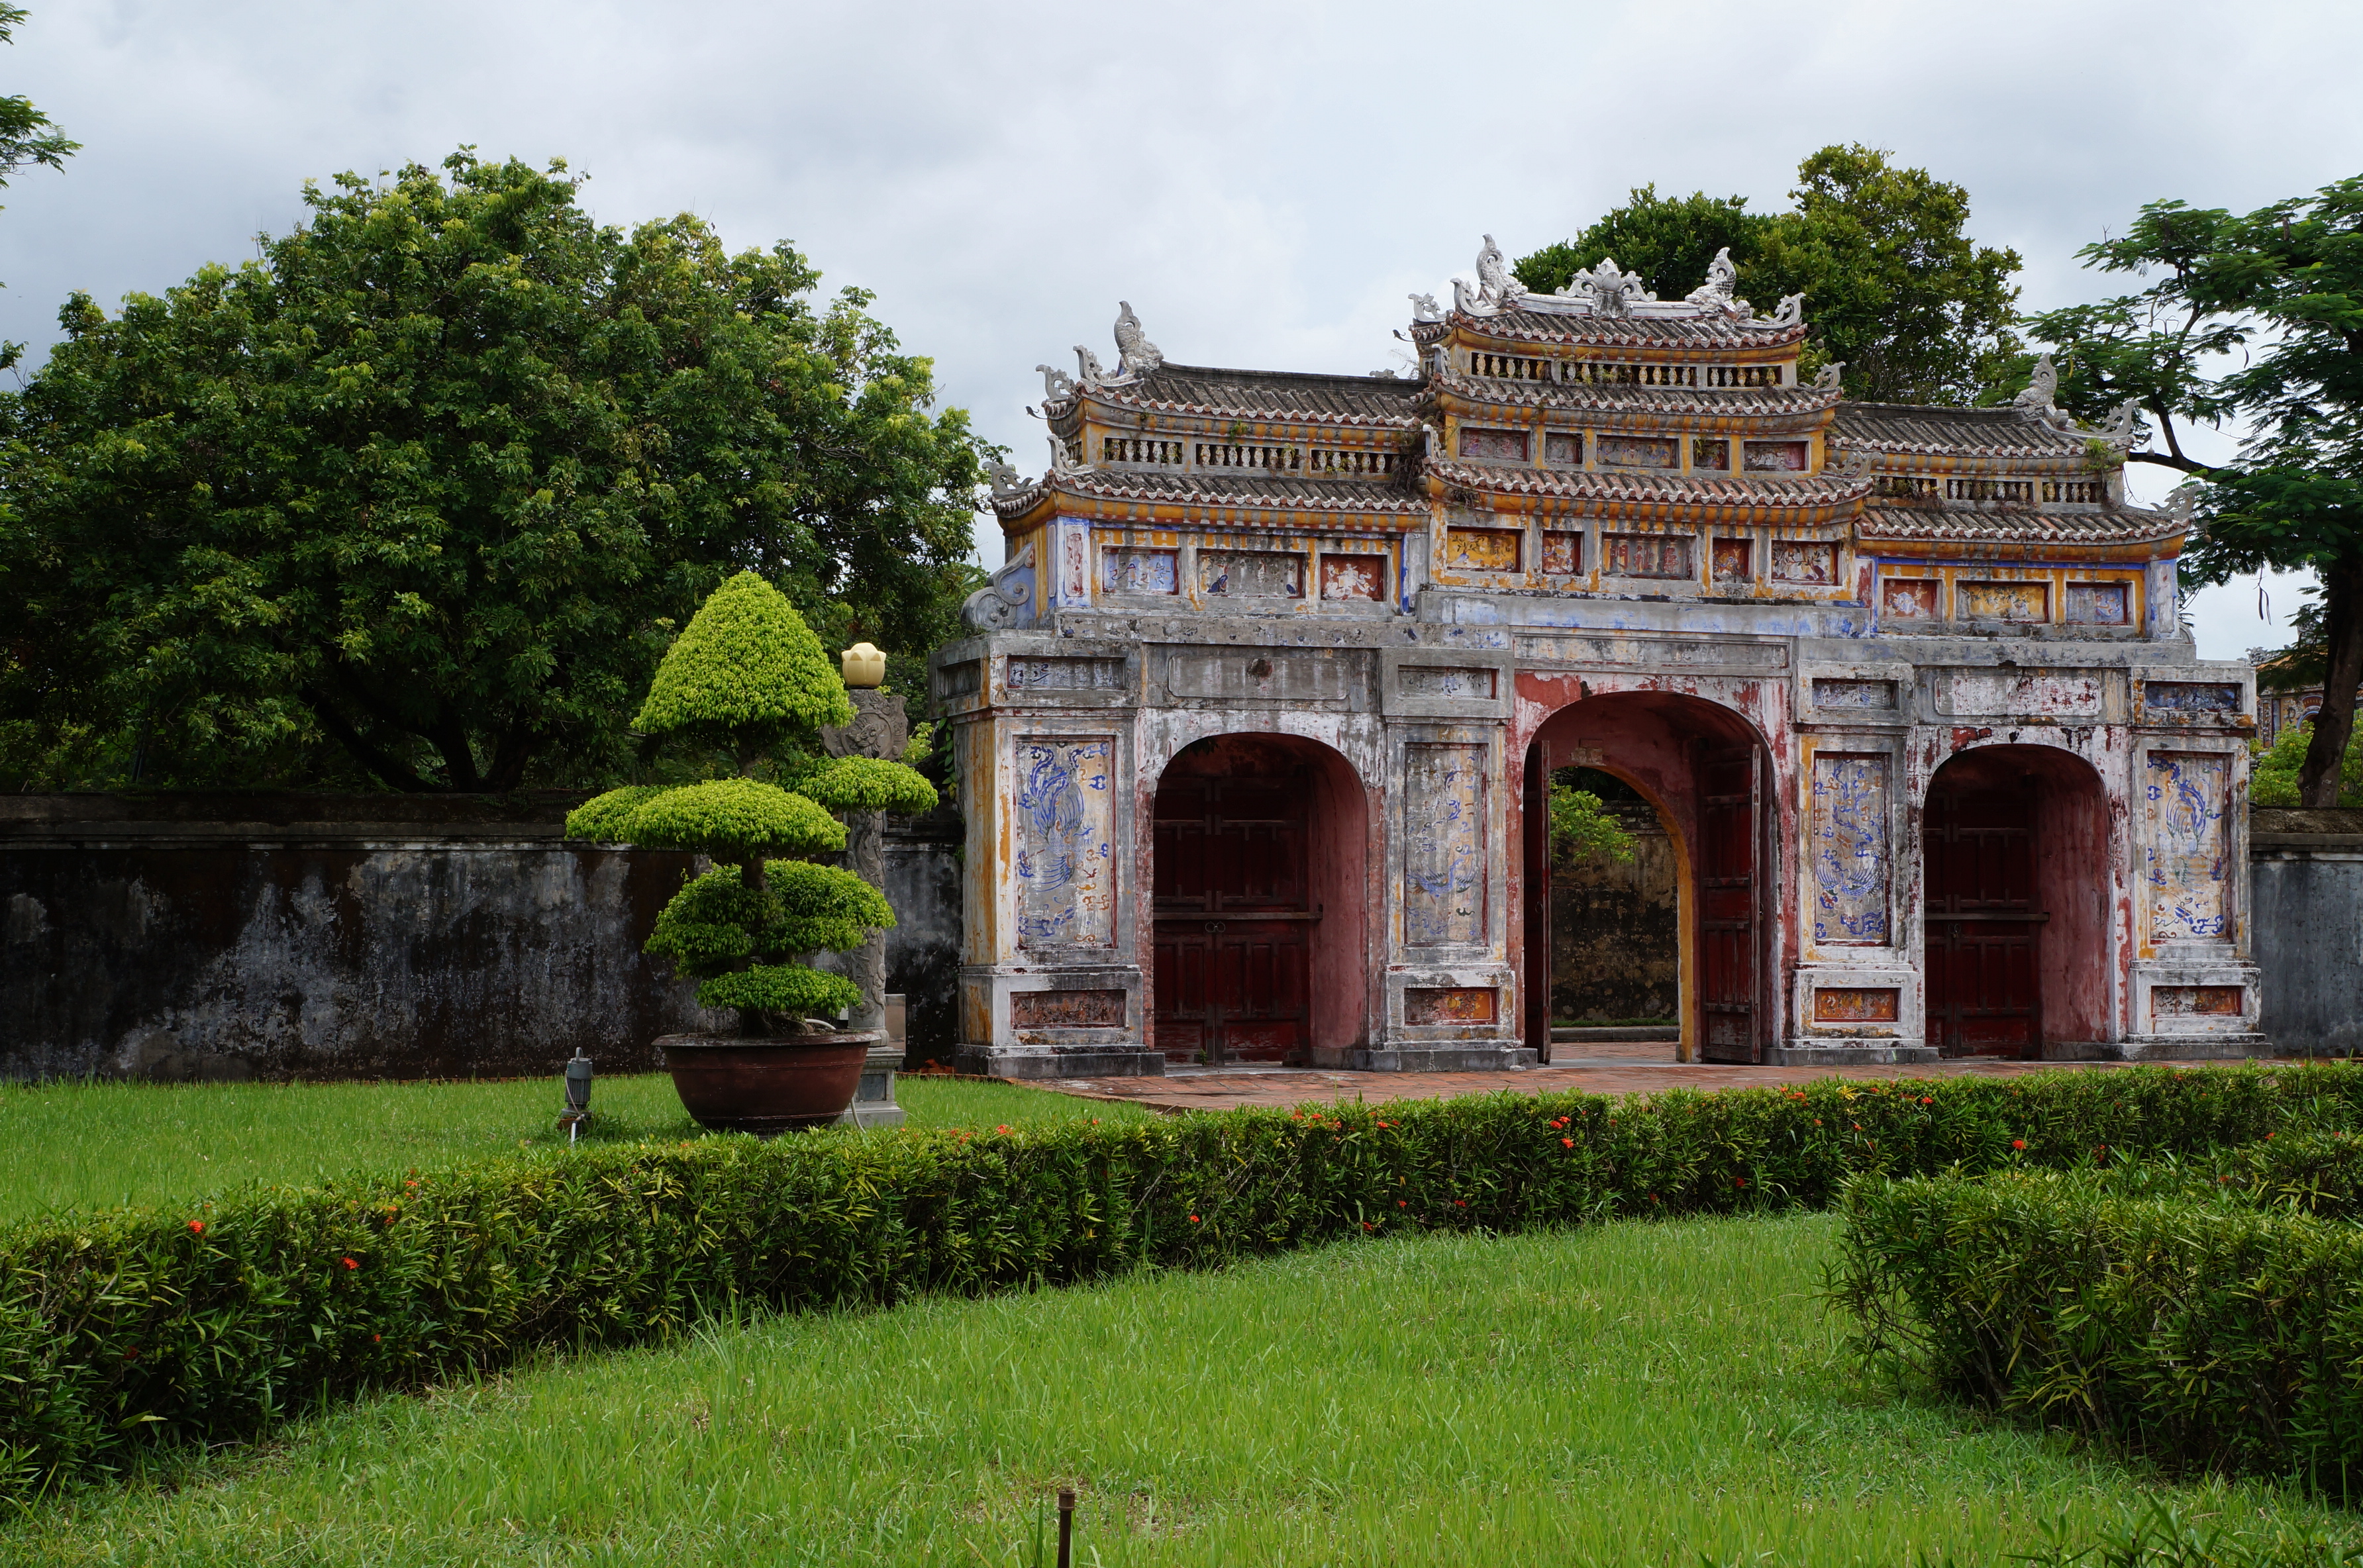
87, 1146
1665, 1394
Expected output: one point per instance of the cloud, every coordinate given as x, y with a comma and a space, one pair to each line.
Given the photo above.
1264, 182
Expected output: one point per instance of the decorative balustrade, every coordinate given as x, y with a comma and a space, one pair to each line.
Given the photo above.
1988, 490
2088, 492
1603, 373
1140, 449
1242, 454
1350, 463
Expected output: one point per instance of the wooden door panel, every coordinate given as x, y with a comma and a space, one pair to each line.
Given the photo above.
1983, 997
1232, 981
1729, 831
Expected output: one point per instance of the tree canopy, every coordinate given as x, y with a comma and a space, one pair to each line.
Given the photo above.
2281, 287
1894, 288
28, 136
420, 494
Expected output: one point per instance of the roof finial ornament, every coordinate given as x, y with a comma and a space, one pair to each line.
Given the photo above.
1722, 281
1056, 386
1829, 376
1089, 373
1424, 308
1494, 284
1006, 479
1136, 354
1608, 289
1063, 462
2040, 397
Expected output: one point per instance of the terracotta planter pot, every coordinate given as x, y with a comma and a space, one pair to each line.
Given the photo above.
766, 1087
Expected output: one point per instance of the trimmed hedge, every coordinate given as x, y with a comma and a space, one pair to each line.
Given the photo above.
130, 1329
2208, 1321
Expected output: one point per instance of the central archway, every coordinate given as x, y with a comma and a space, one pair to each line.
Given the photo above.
1706, 772
1259, 880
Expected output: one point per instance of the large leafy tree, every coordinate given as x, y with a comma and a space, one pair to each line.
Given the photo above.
28, 136
1894, 288
430, 483
2284, 285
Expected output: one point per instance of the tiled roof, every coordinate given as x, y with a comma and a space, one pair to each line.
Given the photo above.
1269, 394
1802, 492
1639, 332
1703, 402
1259, 491
2021, 525
1906, 427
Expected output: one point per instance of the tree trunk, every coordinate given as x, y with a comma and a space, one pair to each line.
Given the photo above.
2341, 604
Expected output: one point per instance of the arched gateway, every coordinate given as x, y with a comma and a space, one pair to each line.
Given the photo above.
1255, 723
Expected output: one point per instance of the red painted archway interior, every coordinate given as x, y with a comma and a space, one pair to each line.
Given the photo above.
1261, 884
2016, 908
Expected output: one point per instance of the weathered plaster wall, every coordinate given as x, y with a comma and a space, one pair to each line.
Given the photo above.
293, 937
2307, 877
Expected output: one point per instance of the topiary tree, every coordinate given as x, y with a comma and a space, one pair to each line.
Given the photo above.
748, 677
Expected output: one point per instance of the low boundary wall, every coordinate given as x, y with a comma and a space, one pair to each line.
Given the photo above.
2307, 880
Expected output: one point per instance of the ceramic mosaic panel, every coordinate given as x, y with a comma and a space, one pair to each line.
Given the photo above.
1252, 574
2097, 604
1509, 443
1639, 452
2187, 848
1805, 561
2194, 1002
1562, 553
1774, 457
1908, 598
1444, 844
1059, 674
1846, 832
1856, 1005
1734, 560
1066, 1010
1074, 553
1564, 447
1450, 1004
1440, 680
2003, 694
2190, 696
1065, 833
1354, 578
1141, 571
1483, 549
2006, 600
1865, 694
1711, 453
1644, 555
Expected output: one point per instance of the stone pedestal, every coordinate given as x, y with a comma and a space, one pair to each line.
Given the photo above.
873, 1103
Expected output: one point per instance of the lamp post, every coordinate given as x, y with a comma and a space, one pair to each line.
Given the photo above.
881, 728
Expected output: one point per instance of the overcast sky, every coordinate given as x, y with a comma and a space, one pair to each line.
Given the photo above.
1265, 182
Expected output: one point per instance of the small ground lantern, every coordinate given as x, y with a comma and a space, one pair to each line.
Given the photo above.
865, 667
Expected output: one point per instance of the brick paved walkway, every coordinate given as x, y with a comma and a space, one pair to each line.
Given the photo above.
1598, 1069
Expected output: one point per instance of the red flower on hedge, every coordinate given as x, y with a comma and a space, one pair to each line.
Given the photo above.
197, 1227
1739, 1181
1193, 1219
2018, 1142
350, 1264
1567, 1142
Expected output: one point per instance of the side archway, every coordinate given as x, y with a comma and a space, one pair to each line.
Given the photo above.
1259, 882
2017, 960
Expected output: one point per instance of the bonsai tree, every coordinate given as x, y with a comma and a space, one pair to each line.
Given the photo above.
748, 677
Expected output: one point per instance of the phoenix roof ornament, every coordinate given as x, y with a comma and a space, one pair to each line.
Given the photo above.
1608, 291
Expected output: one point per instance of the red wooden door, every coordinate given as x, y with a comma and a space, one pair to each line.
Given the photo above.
1233, 946
1730, 837
1983, 925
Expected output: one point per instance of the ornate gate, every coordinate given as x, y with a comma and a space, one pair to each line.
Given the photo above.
1730, 938
1234, 924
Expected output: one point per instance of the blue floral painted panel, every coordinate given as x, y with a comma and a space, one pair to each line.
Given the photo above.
2186, 858
1444, 844
1066, 842
1852, 869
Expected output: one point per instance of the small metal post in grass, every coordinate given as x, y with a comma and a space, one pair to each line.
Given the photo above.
1066, 1527
578, 1095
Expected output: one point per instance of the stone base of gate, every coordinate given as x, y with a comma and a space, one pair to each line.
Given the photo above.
1874, 1054
1444, 1058
2195, 1047
1058, 1062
